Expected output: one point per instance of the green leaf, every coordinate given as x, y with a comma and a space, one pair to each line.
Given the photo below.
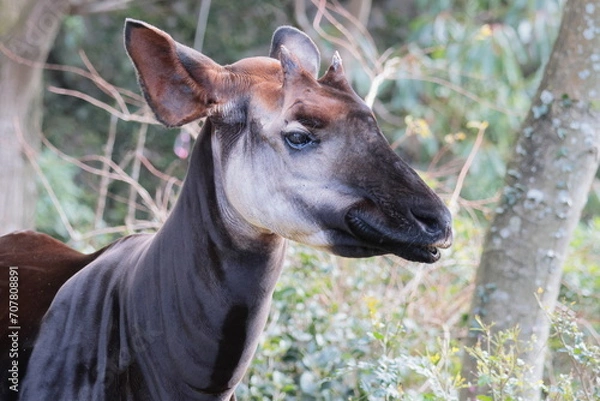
378, 336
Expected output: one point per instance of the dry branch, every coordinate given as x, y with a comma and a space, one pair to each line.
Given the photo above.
104, 180
31, 155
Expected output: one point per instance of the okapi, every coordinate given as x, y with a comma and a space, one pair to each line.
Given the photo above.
282, 155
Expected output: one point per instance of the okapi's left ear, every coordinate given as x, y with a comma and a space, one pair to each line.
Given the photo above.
303, 50
180, 84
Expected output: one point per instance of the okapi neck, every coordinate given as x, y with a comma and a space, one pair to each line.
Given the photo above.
206, 298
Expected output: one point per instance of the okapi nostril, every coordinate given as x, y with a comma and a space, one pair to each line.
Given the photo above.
430, 223
436, 224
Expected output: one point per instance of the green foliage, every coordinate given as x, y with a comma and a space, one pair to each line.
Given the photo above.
581, 277
392, 378
383, 329
583, 380
468, 61
500, 368
341, 330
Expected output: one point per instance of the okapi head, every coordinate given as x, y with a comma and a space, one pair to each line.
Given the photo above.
294, 155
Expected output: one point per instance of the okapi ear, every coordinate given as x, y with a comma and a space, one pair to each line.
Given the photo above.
179, 83
299, 45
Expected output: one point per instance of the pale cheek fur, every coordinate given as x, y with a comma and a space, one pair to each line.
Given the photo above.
267, 207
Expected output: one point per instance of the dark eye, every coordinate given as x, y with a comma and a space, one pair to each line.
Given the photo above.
298, 139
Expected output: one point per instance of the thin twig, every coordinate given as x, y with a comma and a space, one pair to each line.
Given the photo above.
155, 172
452, 204
384, 67
32, 157
144, 118
458, 89
133, 98
118, 175
201, 24
103, 84
349, 44
135, 173
168, 193
358, 26
96, 7
105, 180
139, 225
385, 114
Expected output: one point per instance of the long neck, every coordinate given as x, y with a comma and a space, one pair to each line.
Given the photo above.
203, 294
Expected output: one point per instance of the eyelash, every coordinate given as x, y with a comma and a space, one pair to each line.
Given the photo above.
299, 140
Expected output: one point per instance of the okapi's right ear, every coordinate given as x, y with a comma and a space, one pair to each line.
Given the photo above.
178, 83
305, 52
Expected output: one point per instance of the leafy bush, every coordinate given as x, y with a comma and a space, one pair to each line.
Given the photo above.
383, 329
351, 329
499, 366
582, 382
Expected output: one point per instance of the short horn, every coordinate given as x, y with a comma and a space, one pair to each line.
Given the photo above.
289, 62
335, 75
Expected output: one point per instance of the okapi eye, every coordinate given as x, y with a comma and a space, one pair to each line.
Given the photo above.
298, 139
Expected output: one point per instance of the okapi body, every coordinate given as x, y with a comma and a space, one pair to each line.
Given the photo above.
282, 156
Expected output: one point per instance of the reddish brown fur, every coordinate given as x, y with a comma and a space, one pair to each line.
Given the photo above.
43, 265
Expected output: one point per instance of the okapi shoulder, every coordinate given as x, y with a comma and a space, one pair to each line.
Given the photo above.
89, 306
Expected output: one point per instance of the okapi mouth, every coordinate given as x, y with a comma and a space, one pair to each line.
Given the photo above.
414, 242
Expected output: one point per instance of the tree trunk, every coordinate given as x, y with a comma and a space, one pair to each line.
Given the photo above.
28, 30
547, 183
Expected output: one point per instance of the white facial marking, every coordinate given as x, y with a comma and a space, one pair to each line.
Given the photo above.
272, 198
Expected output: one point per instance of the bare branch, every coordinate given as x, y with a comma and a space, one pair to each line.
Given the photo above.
357, 25
119, 175
135, 173
96, 7
102, 84
132, 97
138, 226
301, 17
154, 171
105, 180
458, 89
350, 43
32, 157
144, 118
463, 173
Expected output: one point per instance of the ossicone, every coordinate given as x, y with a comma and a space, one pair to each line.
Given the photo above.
335, 76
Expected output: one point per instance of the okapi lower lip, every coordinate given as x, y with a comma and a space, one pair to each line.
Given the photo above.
433, 251
384, 243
